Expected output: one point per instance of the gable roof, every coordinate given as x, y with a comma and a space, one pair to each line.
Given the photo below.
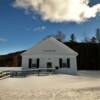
50, 45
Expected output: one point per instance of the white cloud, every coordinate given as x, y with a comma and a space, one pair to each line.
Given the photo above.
3, 40
60, 10
39, 29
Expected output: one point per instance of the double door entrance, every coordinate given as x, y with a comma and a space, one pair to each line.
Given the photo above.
49, 64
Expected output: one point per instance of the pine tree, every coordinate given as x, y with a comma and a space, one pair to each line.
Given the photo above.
98, 35
72, 38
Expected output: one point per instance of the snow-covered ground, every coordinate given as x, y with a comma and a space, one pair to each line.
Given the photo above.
84, 86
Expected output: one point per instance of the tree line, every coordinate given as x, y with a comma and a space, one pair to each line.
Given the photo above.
61, 37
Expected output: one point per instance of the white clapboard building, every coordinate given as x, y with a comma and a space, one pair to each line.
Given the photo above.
50, 53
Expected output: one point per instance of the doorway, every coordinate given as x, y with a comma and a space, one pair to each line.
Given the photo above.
49, 65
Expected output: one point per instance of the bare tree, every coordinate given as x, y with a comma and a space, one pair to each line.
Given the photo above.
86, 40
60, 36
93, 40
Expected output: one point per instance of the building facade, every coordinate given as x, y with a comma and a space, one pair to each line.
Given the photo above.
51, 53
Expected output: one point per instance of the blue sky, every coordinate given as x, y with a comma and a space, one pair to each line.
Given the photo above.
21, 30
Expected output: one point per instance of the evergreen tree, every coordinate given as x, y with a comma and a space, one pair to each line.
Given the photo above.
72, 38
98, 35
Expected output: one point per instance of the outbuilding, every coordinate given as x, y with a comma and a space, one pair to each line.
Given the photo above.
51, 53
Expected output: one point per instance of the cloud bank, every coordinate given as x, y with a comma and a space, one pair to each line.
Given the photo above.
61, 10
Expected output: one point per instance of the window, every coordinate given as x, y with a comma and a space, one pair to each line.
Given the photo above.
34, 64
63, 63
